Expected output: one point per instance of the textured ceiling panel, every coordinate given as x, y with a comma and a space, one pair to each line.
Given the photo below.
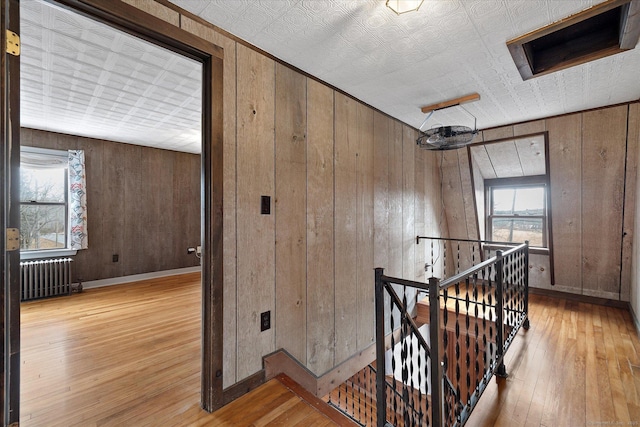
81, 77
85, 78
508, 159
449, 48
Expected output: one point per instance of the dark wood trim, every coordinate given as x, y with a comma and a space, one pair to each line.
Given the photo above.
579, 298
11, 218
212, 238
5, 191
546, 179
242, 387
143, 25
547, 166
570, 20
601, 43
318, 404
157, 31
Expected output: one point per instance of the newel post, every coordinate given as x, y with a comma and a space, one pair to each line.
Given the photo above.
526, 284
381, 407
501, 370
437, 383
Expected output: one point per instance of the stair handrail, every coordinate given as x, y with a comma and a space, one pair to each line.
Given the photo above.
458, 413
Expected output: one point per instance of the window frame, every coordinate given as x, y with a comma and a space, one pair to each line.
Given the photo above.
50, 252
518, 182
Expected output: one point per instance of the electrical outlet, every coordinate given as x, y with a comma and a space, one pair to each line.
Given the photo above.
265, 205
265, 321
115, 258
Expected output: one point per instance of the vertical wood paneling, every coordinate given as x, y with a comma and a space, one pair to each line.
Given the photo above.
527, 128
452, 194
565, 146
467, 194
408, 209
256, 232
630, 189
134, 172
396, 223
420, 206
95, 262
381, 158
290, 211
229, 189
381, 189
497, 133
320, 234
143, 204
479, 188
435, 221
346, 145
603, 159
157, 183
365, 227
186, 204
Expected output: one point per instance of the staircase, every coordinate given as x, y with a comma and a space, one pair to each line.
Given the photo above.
356, 398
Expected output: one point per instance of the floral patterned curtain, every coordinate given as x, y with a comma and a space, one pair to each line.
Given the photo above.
77, 200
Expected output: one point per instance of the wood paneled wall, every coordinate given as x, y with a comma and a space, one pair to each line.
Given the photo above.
350, 191
143, 204
592, 160
634, 220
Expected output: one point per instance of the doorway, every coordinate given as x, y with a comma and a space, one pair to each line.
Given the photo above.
136, 22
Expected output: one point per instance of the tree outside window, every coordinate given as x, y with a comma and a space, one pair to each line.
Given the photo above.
43, 208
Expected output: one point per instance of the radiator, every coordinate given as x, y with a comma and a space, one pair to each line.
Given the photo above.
45, 278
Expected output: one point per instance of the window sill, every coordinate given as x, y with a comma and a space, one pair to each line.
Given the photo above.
50, 253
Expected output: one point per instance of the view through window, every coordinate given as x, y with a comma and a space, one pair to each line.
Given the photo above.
518, 214
43, 202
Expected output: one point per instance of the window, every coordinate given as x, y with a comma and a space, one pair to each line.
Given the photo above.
517, 210
43, 199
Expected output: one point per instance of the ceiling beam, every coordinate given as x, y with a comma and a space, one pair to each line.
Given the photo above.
452, 102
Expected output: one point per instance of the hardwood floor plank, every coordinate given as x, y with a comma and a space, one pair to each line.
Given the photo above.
129, 355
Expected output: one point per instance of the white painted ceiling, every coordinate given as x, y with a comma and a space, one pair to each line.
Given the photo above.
449, 48
81, 77
512, 158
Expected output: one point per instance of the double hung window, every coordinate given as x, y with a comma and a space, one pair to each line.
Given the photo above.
43, 200
517, 210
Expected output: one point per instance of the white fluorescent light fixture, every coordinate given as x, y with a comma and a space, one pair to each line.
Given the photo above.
404, 6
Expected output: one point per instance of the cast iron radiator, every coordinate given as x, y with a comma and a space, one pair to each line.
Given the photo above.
45, 278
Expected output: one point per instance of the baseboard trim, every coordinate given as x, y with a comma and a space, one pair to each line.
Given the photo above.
579, 298
321, 406
281, 362
137, 277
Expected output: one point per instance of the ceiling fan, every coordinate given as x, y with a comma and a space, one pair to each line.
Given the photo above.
442, 137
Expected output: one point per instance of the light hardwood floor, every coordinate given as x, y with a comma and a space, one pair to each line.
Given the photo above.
578, 365
129, 355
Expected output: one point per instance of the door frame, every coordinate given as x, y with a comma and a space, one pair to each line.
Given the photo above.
10, 215
141, 24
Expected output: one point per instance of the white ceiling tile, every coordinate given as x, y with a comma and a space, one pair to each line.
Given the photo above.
396, 63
